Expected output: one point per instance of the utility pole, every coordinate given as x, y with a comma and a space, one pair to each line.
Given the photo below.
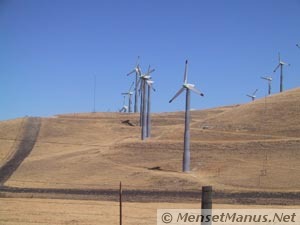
94, 107
120, 194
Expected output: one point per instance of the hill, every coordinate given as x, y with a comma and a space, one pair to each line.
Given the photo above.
278, 114
251, 147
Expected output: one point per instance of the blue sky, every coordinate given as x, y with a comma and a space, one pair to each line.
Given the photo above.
50, 51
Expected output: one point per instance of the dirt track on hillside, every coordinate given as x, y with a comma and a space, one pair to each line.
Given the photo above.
29, 135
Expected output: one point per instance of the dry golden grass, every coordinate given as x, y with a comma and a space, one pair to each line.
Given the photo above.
9, 133
15, 211
232, 148
252, 147
277, 115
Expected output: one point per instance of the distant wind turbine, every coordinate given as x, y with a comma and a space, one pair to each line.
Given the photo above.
269, 79
253, 96
94, 102
125, 107
137, 72
129, 94
281, 64
187, 87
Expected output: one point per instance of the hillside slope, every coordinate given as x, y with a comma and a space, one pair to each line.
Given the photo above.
278, 114
233, 148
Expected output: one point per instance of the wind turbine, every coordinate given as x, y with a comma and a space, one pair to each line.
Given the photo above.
137, 72
253, 95
281, 64
269, 79
129, 94
188, 88
144, 80
125, 107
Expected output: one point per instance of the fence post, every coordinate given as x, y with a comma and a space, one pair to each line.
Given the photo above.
206, 204
120, 195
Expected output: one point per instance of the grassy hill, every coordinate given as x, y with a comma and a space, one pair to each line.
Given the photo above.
236, 148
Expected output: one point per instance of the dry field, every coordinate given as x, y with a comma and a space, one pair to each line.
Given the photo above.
242, 148
15, 211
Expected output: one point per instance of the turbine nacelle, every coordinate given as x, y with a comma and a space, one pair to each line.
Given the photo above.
146, 77
189, 86
127, 93
283, 63
267, 78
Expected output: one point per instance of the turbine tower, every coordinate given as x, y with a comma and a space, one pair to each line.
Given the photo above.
125, 107
150, 86
144, 79
129, 94
137, 72
187, 87
253, 96
280, 64
269, 79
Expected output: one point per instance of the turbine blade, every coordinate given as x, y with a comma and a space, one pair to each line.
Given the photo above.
133, 71
284, 63
265, 78
276, 68
138, 83
131, 87
254, 92
177, 94
250, 96
150, 71
137, 61
279, 57
196, 91
150, 84
139, 70
185, 72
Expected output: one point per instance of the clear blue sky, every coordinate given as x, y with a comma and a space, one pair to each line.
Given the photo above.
50, 51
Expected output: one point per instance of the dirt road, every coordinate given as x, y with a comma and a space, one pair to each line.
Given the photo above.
29, 135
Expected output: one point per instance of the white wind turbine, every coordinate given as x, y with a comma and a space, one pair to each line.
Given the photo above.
125, 107
253, 96
188, 88
137, 72
281, 64
129, 94
269, 79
